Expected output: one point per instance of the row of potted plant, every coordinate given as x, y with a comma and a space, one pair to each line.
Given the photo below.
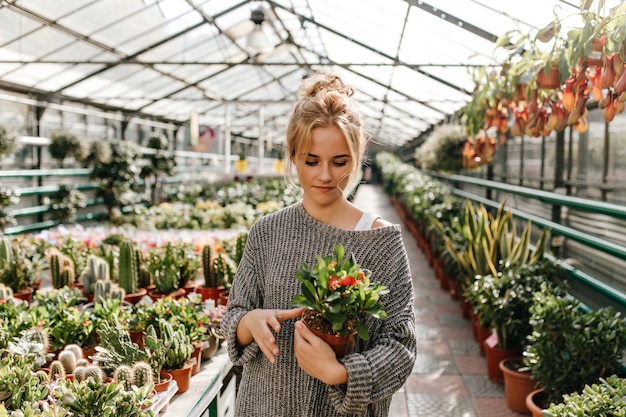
518, 298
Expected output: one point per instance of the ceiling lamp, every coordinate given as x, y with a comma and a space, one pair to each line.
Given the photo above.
257, 41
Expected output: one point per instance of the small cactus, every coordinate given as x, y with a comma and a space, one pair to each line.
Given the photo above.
107, 289
124, 376
240, 246
95, 372
208, 257
127, 267
6, 293
96, 268
68, 360
142, 374
77, 350
143, 275
42, 376
82, 362
61, 269
57, 371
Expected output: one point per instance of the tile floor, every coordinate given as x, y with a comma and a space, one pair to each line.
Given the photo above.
449, 378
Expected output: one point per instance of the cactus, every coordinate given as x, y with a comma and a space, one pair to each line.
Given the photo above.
42, 376
143, 275
6, 293
240, 246
81, 362
107, 289
208, 257
68, 360
96, 268
61, 269
79, 373
95, 372
180, 350
9, 266
124, 375
57, 371
127, 267
6, 252
77, 350
224, 269
142, 374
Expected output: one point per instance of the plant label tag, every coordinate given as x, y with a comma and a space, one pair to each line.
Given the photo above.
492, 341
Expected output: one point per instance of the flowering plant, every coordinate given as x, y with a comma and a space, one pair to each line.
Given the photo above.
340, 291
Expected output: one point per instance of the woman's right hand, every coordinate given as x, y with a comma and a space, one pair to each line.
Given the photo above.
260, 325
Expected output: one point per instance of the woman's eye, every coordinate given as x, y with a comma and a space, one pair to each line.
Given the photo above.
340, 164
311, 163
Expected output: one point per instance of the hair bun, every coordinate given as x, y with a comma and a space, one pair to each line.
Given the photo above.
325, 83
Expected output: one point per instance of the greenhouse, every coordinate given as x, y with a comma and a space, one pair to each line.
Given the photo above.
157, 175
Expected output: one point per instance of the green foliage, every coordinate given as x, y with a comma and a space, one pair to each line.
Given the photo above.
341, 291
164, 266
65, 202
568, 347
605, 398
442, 149
127, 267
8, 197
8, 142
63, 145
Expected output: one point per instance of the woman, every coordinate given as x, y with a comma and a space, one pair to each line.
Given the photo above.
288, 371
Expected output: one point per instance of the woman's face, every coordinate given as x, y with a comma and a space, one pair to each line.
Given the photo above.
325, 170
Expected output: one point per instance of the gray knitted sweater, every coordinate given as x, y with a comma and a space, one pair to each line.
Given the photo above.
277, 245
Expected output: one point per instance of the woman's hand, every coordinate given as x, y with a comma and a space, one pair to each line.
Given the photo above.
317, 358
258, 325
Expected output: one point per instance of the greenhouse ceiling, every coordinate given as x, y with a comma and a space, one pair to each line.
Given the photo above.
410, 61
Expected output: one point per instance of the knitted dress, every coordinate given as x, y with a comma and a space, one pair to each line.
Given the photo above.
277, 245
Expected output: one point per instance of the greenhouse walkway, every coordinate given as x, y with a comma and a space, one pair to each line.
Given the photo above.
449, 378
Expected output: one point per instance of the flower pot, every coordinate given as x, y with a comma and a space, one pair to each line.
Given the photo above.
136, 296
494, 356
155, 294
534, 401
210, 293
136, 336
182, 377
483, 333
342, 345
26, 294
162, 386
223, 298
517, 385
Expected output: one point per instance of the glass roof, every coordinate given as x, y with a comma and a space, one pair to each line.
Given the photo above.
410, 61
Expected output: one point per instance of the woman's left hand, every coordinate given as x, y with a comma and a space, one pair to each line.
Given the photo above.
317, 358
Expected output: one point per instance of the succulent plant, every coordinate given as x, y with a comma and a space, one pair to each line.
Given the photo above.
57, 370
61, 269
127, 267
208, 257
142, 374
124, 375
76, 349
68, 360
82, 373
107, 289
97, 268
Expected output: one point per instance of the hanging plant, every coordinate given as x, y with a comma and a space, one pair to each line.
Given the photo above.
8, 142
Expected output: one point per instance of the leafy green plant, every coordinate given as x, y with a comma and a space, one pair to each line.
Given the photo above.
605, 398
341, 292
8, 197
164, 267
8, 142
65, 202
63, 145
569, 347
443, 149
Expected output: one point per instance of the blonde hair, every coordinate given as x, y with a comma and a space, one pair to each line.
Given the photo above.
326, 102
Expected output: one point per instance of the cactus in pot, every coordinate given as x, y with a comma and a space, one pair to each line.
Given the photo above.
68, 360
124, 375
107, 289
61, 269
127, 267
97, 268
142, 374
82, 373
57, 371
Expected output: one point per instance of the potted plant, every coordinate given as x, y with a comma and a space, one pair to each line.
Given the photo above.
442, 149
63, 145
568, 347
8, 142
8, 197
607, 397
212, 287
65, 202
164, 266
13, 270
337, 292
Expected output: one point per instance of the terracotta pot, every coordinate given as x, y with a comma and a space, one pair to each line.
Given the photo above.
483, 333
136, 296
466, 308
182, 377
155, 294
162, 386
136, 336
223, 298
26, 294
494, 356
517, 385
342, 345
532, 400
210, 293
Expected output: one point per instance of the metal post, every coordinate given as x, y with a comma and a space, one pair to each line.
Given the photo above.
261, 149
227, 168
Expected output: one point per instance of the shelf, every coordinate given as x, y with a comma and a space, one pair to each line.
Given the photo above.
204, 389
